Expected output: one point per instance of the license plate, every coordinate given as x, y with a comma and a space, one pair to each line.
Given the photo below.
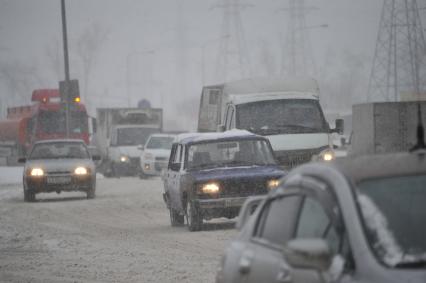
59, 180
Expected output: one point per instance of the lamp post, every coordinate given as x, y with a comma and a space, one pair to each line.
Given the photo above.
67, 69
128, 62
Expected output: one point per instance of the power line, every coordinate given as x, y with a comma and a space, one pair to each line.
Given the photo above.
400, 53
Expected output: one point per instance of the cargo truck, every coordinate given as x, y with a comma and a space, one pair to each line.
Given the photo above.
285, 110
121, 134
43, 119
382, 127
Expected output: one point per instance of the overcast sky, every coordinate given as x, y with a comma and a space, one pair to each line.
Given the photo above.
142, 40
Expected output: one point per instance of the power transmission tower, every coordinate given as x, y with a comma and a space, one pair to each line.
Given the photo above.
400, 54
233, 60
297, 55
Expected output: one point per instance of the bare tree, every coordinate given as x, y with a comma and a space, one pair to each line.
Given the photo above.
88, 49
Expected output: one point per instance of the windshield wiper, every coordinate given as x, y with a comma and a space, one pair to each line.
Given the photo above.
295, 126
420, 263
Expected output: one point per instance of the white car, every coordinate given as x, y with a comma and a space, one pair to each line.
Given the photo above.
155, 154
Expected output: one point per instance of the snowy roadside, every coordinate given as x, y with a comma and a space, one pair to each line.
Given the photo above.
10, 176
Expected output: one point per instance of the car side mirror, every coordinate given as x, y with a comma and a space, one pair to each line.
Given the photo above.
96, 157
221, 128
340, 125
247, 210
175, 166
308, 254
22, 159
141, 147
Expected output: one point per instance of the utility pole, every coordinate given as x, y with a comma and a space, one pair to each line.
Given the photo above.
399, 64
181, 54
297, 55
233, 54
67, 69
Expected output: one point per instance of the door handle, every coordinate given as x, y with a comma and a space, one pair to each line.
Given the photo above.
245, 262
284, 275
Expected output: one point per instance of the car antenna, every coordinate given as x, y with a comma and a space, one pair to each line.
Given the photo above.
420, 131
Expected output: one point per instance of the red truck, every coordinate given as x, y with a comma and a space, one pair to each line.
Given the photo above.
43, 119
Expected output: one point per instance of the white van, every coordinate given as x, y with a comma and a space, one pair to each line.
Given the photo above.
286, 111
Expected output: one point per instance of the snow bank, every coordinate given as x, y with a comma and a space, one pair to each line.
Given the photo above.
10, 175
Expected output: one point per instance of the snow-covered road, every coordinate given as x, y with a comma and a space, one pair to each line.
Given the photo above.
123, 235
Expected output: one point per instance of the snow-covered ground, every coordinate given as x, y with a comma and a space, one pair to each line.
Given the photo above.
10, 175
123, 235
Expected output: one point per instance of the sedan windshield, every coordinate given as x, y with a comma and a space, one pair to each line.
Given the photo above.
160, 143
134, 136
59, 150
274, 117
229, 154
394, 217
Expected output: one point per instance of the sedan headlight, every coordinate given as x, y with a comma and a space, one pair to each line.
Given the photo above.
37, 172
328, 156
210, 188
272, 184
80, 171
124, 158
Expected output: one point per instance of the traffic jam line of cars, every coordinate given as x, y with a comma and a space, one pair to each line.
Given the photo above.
358, 219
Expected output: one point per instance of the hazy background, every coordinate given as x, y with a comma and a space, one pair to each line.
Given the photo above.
124, 50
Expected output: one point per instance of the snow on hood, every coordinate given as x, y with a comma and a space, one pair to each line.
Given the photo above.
59, 164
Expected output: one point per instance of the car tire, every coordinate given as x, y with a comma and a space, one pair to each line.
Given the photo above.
91, 193
176, 219
193, 217
29, 196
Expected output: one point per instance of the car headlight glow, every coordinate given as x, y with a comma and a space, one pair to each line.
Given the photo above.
272, 184
210, 188
328, 156
124, 158
80, 171
37, 172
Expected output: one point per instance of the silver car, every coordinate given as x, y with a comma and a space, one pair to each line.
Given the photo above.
352, 220
59, 165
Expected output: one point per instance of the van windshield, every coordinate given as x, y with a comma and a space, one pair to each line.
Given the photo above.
281, 116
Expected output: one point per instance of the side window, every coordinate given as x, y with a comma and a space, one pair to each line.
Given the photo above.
178, 154
214, 97
315, 223
277, 220
175, 157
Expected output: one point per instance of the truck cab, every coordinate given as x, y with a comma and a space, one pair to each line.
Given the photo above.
286, 111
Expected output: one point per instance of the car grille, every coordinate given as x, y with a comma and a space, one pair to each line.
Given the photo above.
53, 173
293, 158
161, 159
243, 187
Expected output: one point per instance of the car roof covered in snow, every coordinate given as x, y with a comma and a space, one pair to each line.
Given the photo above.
271, 84
188, 138
360, 168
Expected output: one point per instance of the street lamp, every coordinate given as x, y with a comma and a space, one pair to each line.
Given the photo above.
129, 57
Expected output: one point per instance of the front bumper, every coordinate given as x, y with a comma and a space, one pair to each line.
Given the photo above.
131, 167
232, 202
59, 183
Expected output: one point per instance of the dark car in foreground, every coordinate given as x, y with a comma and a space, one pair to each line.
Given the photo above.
352, 220
59, 165
210, 175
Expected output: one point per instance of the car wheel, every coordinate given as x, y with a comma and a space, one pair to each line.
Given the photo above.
91, 193
176, 219
193, 217
29, 196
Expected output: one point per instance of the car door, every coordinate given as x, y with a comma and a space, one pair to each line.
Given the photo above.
262, 260
173, 176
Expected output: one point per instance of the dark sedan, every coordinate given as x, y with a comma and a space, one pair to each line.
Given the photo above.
210, 175
59, 165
